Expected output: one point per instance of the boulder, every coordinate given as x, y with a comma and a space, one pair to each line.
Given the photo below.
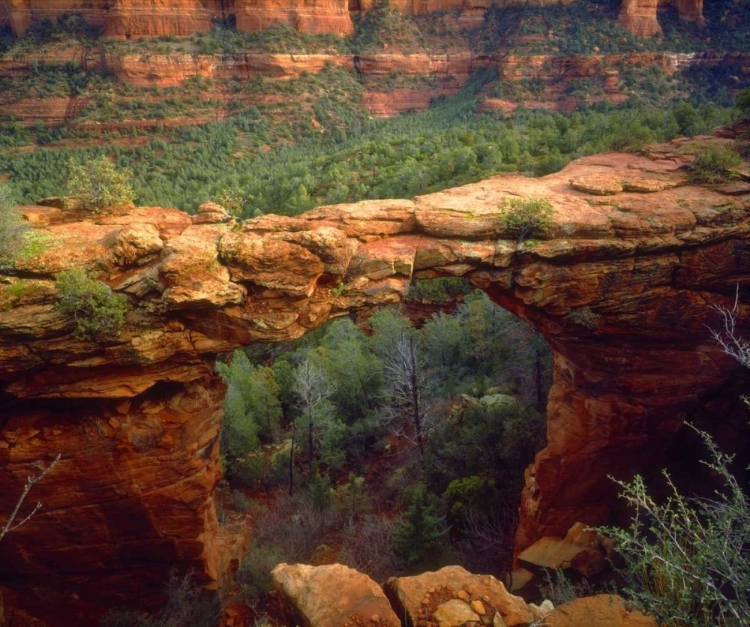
603, 610
136, 243
332, 596
211, 213
420, 598
580, 550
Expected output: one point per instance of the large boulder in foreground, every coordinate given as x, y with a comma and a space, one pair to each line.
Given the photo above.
332, 596
437, 598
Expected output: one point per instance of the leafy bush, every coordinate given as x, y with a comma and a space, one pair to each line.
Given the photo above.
743, 101
12, 227
98, 312
687, 560
420, 538
525, 217
99, 184
715, 165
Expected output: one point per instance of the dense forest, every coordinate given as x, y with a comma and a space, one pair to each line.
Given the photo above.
381, 448
287, 146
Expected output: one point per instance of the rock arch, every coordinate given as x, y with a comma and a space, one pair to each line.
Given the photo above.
621, 286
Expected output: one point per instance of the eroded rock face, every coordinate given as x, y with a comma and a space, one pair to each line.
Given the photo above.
640, 16
621, 285
321, 16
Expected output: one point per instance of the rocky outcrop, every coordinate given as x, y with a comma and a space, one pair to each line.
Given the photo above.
332, 596
621, 285
452, 596
581, 550
321, 16
640, 16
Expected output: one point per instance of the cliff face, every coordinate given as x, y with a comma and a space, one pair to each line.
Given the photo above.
319, 16
621, 286
639, 16
152, 18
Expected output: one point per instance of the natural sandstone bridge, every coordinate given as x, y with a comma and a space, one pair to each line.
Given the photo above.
136, 418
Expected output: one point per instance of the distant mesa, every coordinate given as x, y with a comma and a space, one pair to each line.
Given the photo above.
132, 19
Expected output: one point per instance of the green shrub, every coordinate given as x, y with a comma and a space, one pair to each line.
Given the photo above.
743, 101
687, 560
99, 184
715, 165
420, 538
12, 228
525, 217
98, 312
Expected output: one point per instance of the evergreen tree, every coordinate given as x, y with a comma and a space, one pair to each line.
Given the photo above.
420, 537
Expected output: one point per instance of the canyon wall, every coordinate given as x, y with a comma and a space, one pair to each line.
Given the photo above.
640, 16
152, 18
621, 285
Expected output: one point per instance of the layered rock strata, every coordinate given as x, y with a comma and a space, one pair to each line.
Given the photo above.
621, 284
153, 18
640, 16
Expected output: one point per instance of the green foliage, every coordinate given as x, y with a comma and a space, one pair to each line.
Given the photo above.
420, 537
715, 164
743, 101
525, 217
254, 574
472, 492
319, 491
438, 290
99, 184
386, 27
252, 409
99, 313
12, 227
687, 560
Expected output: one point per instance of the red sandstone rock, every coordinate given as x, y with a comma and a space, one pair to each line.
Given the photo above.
136, 417
639, 17
579, 550
410, 595
332, 596
322, 16
603, 610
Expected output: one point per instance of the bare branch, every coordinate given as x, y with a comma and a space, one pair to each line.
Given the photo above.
31, 481
727, 337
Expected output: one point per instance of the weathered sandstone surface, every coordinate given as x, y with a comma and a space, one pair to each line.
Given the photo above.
319, 16
621, 285
332, 596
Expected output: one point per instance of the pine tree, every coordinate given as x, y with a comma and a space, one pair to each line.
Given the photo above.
420, 536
